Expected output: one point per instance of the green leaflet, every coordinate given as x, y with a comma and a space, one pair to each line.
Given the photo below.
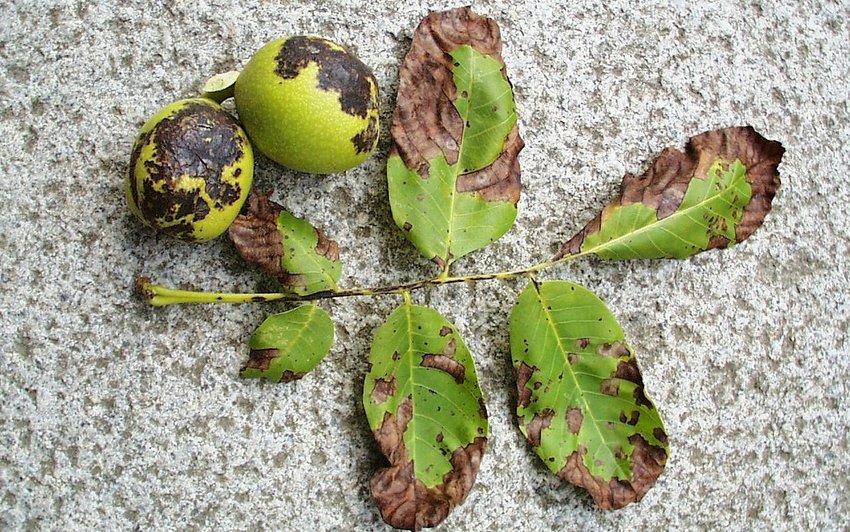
437, 219
581, 401
419, 356
288, 345
307, 259
427, 413
486, 106
713, 206
443, 222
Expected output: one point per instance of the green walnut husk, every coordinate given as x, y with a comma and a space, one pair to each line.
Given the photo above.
308, 104
191, 170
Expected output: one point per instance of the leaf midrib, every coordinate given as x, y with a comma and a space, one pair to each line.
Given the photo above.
587, 409
455, 168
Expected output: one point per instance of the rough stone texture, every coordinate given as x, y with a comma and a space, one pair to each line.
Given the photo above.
115, 415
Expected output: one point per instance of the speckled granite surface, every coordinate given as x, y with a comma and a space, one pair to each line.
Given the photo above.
116, 416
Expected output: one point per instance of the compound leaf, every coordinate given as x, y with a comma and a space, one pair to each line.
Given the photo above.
303, 259
288, 345
427, 414
453, 174
714, 194
581, 401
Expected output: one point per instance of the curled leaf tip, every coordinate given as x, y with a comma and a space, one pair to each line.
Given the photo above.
714, 194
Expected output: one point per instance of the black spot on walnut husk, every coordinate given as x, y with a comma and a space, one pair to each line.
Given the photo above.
339, 71
196, 141
364, 140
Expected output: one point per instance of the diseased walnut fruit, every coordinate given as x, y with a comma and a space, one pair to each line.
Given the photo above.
309, 104
191, 170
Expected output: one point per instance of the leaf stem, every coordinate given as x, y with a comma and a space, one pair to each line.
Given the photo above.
160, 296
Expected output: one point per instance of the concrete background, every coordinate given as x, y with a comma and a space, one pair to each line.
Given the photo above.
118, 416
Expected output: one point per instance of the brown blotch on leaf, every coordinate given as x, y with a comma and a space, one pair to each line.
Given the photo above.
583, 342
256, 235
445, 330
289, 375
660, 435
615, 350
574, 419
258, 240
610, 387
633, 420
396, 355
446, 364
439, 437
384, 389
339, 72
405, 502
628, 370
523, 374
540, 421
426, 122
326, 247
261, 358
647, 464
663, 185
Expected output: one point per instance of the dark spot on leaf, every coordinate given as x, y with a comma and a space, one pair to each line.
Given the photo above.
540, 421
407, 226
628, 370
261, 359
396, 355
660, 435
523, 374
365, 140
289, 376
641, 399
384, 389
445, 330
447, 364
537, 385
615, 350
439, 437
574, 419
583, 342
339, 71
610, 387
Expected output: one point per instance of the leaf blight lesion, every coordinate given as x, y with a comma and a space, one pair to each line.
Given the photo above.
712, 195
425, 408
582, 404
455, 120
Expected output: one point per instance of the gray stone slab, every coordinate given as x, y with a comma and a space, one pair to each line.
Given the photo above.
115, 415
